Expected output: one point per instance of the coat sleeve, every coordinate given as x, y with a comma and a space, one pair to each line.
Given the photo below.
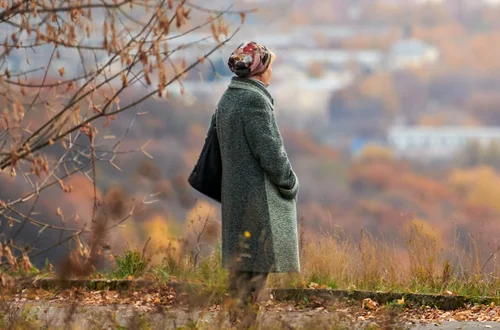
266, 144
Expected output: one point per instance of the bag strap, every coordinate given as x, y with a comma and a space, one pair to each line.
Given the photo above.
216, 125
216, 116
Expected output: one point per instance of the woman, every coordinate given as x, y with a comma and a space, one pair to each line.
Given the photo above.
259, 186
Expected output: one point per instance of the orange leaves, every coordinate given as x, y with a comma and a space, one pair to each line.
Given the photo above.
74, 15
480, 186
7, 252
87, 130
39, 164
371, 175
215, 33
423, 188
96, 109
14, 157
369, 304
147, 77
50, 32
66, 189
181, 16
61, 71
143, 57
375, 153
164, 24
26, 263
303, 143
158, 228
316, 286
105, 42
124, 79
374, 167
218, 28
17, 111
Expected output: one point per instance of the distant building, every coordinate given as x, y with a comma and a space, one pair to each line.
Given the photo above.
336, 32
492, 3
340, 58
411, 53
437, 142
297, 93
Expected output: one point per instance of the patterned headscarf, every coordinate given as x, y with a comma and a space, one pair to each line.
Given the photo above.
249, 59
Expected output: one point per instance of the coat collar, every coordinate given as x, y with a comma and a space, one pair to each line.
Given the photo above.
250, 84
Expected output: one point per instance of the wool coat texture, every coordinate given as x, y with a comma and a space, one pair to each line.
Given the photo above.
259, 186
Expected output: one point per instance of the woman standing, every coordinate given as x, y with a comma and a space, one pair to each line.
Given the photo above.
259, 186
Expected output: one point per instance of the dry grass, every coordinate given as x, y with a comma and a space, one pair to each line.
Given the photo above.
418, 263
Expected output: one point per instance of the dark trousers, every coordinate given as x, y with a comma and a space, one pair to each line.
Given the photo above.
245, 288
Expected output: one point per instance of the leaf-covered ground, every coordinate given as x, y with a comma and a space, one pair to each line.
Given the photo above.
162, 306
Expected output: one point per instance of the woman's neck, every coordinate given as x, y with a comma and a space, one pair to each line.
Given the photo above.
259, 81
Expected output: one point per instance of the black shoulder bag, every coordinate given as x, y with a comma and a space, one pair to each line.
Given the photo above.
206, 176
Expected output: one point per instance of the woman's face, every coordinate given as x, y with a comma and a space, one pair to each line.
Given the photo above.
266, 76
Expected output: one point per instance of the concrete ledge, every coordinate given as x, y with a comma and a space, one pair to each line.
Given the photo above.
103, 284
443, 302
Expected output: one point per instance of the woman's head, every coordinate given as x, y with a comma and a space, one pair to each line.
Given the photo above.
252, 60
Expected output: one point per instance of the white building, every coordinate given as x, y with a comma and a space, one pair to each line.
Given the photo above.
411, 53
438, 142
303, 96
372, 59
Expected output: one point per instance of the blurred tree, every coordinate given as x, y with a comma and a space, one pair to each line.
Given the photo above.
381, 86
432, 120
492, 155
375, 153
355, 113
471, 155
66, 71
480, 186
411, 93
451, 88
485, 107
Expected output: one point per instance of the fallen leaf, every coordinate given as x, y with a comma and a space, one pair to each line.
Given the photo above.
369, 304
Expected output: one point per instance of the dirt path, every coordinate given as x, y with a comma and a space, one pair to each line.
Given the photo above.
54, 315
166, 309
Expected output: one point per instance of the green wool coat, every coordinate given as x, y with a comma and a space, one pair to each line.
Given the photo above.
259, 186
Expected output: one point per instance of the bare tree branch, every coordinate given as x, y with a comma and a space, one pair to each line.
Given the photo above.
64, 65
